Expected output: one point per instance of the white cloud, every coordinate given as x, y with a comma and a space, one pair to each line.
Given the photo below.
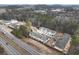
39, 1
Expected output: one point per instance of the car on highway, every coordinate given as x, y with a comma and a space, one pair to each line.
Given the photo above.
7, 43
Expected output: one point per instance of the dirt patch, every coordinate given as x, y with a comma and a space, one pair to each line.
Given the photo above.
41, 47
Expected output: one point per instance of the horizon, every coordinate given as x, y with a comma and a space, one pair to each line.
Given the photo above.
39, 2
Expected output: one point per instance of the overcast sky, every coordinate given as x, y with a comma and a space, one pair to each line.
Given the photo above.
39, 1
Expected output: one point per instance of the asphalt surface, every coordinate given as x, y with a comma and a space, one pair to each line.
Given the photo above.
8, 48
19, 42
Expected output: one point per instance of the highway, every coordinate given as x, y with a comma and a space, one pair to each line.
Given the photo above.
19, 42
8, 48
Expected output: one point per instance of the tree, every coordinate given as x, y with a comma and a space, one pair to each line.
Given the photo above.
1, 50
28, 25
23, 30
75, 40
17, 32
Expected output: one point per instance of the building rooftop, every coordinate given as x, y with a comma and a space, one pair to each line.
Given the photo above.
47, 31
12, 23
40, 37
62, 41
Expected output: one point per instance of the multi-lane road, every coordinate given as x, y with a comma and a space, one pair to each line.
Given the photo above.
8, 48
19, 42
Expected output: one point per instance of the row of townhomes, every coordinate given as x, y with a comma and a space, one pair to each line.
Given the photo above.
51, 38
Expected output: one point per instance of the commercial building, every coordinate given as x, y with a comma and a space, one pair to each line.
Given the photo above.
12, 23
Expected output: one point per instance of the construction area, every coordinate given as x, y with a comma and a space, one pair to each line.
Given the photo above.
58, 41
